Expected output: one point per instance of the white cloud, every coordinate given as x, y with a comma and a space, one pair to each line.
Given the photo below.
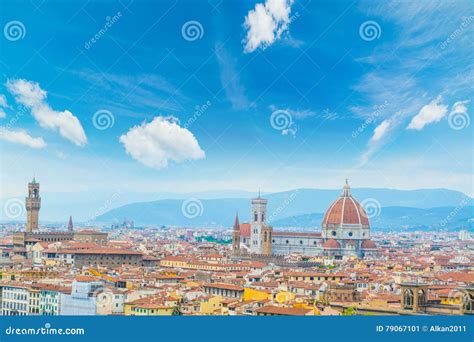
3, 104
3, 101
21, 137
432, 112
266, 23
162, 140
230, 79
380, 136
381, 130
31, 95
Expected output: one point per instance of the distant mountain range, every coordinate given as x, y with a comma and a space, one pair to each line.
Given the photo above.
399, 218
399, 209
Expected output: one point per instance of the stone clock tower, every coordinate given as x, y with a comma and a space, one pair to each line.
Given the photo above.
33, 205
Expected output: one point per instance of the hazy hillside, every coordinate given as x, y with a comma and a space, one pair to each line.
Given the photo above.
286, 207
399, 218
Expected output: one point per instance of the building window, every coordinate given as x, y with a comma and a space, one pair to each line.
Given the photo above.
263, 217
350, 234
334, 233
301, 242
287, 242
255, 216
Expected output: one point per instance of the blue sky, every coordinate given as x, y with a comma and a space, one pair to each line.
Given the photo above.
236, 95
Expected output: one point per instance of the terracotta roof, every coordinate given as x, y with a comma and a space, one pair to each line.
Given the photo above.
464, 277
331, 244
114, 251
368, 244
245, 229
296, 234
345, 210
277, 310
224, 286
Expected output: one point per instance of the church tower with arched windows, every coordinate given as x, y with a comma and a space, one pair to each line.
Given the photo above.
33, 205
258, 221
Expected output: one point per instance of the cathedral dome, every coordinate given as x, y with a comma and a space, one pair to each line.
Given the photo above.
345, 210
331, 244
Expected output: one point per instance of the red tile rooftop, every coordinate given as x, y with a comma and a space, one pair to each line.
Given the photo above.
245, 229
464, 277
224, 286
110, 251
296, 234
213, 256
277, 310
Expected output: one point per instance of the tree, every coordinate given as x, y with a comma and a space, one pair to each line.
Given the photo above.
350, 311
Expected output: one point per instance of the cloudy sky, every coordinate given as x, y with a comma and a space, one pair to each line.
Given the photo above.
179, 96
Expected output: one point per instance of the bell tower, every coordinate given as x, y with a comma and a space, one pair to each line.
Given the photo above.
33, 205
236, 237
258, 222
